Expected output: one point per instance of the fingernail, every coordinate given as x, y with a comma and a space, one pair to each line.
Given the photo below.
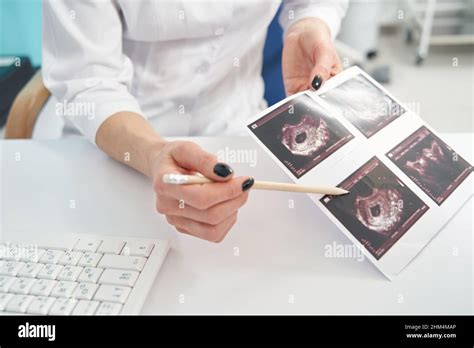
247, 184
222, 170
317, 81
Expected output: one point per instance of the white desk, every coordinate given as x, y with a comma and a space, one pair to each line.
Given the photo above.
280, 250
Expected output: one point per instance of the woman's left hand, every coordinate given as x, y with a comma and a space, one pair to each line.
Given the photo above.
309, 56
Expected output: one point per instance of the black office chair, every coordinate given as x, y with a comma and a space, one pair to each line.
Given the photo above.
26, 108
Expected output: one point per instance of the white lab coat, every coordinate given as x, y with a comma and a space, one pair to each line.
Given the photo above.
189, 67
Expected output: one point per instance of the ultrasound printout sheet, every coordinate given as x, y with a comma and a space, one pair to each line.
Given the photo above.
405, 182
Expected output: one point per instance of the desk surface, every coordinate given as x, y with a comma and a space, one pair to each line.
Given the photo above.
272, 262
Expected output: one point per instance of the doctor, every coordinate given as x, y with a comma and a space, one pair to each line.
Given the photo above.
155, 68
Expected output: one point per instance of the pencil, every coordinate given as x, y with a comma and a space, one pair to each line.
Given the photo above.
181, 179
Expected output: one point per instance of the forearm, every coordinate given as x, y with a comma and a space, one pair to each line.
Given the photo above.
129, 138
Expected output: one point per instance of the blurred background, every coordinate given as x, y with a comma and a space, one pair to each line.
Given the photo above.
421, 50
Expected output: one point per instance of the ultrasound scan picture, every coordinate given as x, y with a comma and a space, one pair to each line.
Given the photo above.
436, 168
300, 134
379, 209
367, 107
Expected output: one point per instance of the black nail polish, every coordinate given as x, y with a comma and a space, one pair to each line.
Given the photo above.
222, 170
247, 184
317, 81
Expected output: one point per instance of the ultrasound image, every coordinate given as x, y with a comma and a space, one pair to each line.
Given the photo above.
431, 164
300, 134
306, 137
367, 107
379, 208
380, 211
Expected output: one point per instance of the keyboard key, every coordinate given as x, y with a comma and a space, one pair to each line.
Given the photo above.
86, 307
32, 254
90, 275
64, 244
50, 271
111, 246
85, 291
11, 268
89, 260
30, 270
134, 263
108, 308
40, 305
21, 252
6, 282
51, 256
70, 258
4, 299
85, 244
112, 293
64, 289
138, 249
43, 287
63, 306
70, 273
19, 303
119, 277
11, 252
22, 285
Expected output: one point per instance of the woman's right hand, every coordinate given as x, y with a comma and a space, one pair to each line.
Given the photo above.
207, 211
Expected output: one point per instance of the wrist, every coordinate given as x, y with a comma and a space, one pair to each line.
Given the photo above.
314, 25
152, 153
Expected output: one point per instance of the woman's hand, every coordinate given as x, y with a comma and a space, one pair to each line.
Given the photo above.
309, 57
207, 211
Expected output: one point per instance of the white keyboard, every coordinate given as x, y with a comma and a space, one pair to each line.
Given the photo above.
87, 275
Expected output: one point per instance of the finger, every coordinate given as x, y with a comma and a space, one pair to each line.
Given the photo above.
169, 205
321, 71
181, 230
172, 222
337, 67
191, 156
204, 196
212, 233
212, 216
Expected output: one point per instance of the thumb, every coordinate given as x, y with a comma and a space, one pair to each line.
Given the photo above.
321, 70
192, 157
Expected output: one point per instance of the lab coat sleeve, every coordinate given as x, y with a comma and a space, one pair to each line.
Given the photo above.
83, 63
329, 11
